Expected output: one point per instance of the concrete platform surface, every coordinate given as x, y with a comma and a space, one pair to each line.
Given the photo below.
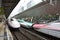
5, 33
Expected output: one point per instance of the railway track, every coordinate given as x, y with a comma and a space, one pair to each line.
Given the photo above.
23, 34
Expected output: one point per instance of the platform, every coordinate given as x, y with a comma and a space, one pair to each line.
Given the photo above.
55, 33
5, 33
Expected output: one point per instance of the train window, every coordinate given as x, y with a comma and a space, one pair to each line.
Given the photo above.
11, 19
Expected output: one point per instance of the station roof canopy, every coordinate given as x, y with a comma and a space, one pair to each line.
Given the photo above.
8, 6
41, 9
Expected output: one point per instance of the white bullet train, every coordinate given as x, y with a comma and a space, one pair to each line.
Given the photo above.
13, 23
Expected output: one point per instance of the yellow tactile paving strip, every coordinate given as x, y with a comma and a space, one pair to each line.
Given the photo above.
2, 26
